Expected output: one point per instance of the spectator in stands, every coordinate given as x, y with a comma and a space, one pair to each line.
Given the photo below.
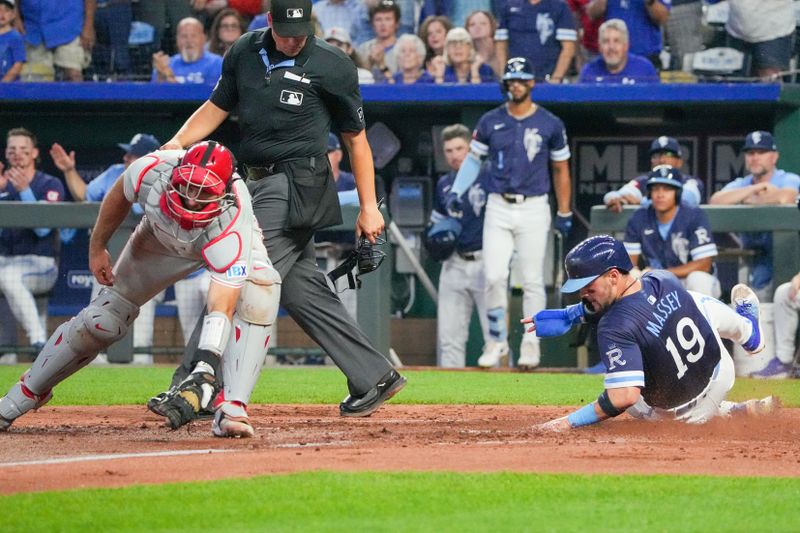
459, 245
164, 16
663, 151
785, 315
684, 30
209, 9
455, 10
410, 61
348, 15
643, 18
228, 26
62, 38
12, 45
588, 30
433, 32
408, 18
380, 52
463, 65
112, 22
542, 31
340, 38
766, 184
482, 26
28, 257
616, 64
673, 236
193, 63
763, 30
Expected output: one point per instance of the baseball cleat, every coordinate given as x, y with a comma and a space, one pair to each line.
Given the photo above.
494, 354
746, 303
762, 407
367, 403
231, 420
774, 370
529, 354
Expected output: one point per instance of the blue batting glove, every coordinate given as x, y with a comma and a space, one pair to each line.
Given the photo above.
563, 223
454, 206
555, 322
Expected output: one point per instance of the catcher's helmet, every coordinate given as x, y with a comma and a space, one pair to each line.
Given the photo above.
666, 175
592, 258
202, 179
442, 237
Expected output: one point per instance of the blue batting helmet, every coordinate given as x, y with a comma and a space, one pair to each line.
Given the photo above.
518, 68
592, 258
666, 175
442, 237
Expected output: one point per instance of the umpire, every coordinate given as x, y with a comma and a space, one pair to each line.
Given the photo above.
289, 88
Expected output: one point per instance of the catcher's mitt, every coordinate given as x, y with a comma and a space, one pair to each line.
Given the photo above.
191, 399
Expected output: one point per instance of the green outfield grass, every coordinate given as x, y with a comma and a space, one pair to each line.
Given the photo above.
442, 501
119, 385
435, 502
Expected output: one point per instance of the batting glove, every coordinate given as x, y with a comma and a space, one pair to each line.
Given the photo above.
563, 223
555, 322
454, 206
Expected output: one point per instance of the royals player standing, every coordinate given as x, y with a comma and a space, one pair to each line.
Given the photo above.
523, 142
198, 213
660, 343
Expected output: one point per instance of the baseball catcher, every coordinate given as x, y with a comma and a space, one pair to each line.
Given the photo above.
197, 214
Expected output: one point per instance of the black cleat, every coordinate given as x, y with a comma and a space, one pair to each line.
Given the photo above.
367, 403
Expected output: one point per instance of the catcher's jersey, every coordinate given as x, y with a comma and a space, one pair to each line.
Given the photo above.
686, 238
226, 245
659, 340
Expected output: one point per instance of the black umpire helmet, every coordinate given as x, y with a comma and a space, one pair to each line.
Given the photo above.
442, 237
592, 258
666, 175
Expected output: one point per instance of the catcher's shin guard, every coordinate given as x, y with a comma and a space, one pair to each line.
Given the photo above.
252, 323
19, 401
76, 343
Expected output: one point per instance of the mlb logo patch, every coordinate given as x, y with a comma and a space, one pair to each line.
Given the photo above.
237, 271
291, 98
360, 112
294, 13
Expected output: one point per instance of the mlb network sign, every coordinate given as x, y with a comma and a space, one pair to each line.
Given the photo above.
600, 165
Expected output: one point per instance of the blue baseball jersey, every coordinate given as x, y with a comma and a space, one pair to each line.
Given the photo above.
637, 69
761, 242
535, 31
474, 209
520, 150
643, 34
12, 50
26, 241
687, 237
206, 70
660, 340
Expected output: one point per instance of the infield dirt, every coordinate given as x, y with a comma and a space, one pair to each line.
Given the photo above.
292, 438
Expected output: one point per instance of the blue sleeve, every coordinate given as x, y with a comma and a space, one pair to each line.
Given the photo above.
558, 137
96, 189
632, 229
738, 183
565, 24
481, 133
621, 355
440, 196
18, 51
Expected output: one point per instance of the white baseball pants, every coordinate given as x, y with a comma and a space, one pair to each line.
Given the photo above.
461, 289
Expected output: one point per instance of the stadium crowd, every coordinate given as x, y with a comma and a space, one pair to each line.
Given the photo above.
395, 41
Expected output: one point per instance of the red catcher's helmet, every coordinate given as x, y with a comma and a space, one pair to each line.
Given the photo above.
198, 189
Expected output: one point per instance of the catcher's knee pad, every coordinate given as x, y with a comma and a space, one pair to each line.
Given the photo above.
261, 294
102, 322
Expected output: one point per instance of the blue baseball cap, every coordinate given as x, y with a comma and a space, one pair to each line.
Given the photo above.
665, 144
760, 140
333, 142
141, 144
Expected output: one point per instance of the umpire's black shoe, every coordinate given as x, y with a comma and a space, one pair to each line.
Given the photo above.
367, 403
